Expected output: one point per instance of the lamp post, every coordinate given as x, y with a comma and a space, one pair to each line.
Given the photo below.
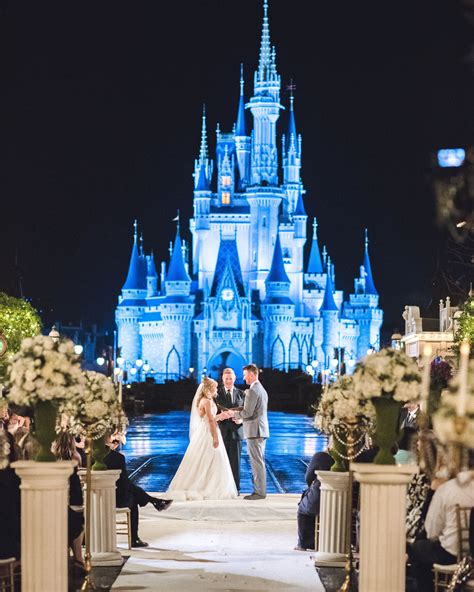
54, 334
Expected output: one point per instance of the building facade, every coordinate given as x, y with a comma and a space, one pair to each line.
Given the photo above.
244, 292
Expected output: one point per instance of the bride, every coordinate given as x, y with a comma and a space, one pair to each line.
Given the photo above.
204, 472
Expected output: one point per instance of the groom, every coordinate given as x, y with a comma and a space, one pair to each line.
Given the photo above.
231, 429
256, 432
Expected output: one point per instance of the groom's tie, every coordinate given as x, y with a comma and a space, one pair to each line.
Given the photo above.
229, 397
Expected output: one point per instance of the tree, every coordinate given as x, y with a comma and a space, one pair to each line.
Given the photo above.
18, 320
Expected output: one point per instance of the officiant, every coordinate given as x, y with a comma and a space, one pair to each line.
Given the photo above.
228, 396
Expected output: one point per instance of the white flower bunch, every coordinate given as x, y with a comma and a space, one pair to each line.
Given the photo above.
340, 402
98, 409
445, 422
388, 373
44, 370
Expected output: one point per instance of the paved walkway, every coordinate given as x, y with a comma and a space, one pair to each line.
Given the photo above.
233, 545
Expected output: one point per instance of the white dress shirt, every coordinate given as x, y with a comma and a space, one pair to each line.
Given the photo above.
441, 521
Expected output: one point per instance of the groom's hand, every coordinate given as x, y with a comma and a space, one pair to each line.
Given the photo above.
231, 413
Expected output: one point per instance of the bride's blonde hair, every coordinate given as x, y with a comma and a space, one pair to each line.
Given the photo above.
206, 389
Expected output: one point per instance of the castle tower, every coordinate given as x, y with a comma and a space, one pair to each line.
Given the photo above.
131, 305
278, 311
291, 149
151, 277
242, 140
177, 310
265, 107
330, 315
363, 306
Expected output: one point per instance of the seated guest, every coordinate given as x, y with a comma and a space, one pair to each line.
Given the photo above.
129, 495
308, 507
64, 448
441, 544
9, 502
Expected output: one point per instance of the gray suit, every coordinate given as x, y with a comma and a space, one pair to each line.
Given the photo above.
254, 414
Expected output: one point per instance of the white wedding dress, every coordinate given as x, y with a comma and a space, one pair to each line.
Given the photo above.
204, 472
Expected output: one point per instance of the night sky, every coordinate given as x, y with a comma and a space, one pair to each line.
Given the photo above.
101, 105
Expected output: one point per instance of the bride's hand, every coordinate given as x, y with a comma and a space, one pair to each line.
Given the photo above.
215, 442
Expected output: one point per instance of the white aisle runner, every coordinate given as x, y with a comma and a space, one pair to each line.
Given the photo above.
233, 545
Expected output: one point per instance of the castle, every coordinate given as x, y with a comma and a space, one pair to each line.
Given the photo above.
248, 294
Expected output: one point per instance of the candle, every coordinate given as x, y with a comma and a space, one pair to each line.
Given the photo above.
463, 370
425, 377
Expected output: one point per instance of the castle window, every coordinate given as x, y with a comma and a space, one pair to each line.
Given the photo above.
225, 198
226, 180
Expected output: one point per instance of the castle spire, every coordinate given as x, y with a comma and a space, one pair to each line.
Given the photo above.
328, 300
202, 183
240, 124
369, 280
299, 209
315, 264
265, 60
277, 271
136, 279
292, 136
177, 271
203, 152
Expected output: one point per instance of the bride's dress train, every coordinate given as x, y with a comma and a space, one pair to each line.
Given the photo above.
204, 472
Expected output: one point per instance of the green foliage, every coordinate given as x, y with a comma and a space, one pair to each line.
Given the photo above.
465, 330
18, 320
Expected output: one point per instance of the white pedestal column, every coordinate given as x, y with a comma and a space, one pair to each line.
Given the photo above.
332, 547
44, 502
383, 490
103, 530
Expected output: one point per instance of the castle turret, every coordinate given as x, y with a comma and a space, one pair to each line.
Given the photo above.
330, 315
177, 310
278, 311
363, 306
131, 305
203, 159
291, 144
151, 277
315, 263
265, 107
242, 140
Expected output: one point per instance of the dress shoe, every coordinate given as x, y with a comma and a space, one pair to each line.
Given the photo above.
254, 496
302, 549
139, 543
161, 504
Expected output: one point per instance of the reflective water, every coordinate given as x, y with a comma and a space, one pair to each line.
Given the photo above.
156, 443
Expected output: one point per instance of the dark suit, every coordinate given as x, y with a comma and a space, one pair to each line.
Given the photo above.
128, 495
232, 433
408, 420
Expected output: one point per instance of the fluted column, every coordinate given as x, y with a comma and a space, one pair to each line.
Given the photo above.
383, 490
103, 510
44, 544
332, 547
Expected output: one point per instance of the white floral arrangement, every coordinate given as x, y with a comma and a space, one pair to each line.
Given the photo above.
98, 410
341, 402
44, 370
389, 373
448, 427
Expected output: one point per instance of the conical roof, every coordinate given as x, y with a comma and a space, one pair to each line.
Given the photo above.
277, 271
328, 300
176, 270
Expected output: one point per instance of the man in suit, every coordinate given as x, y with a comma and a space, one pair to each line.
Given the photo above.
129, 495
409, 415
256, 432
231, 429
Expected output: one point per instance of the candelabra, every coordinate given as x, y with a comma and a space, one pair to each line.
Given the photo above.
354, 438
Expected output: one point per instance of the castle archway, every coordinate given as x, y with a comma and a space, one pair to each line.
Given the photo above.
226, 359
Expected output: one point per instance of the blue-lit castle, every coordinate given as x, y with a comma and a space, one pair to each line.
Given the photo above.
245, 293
